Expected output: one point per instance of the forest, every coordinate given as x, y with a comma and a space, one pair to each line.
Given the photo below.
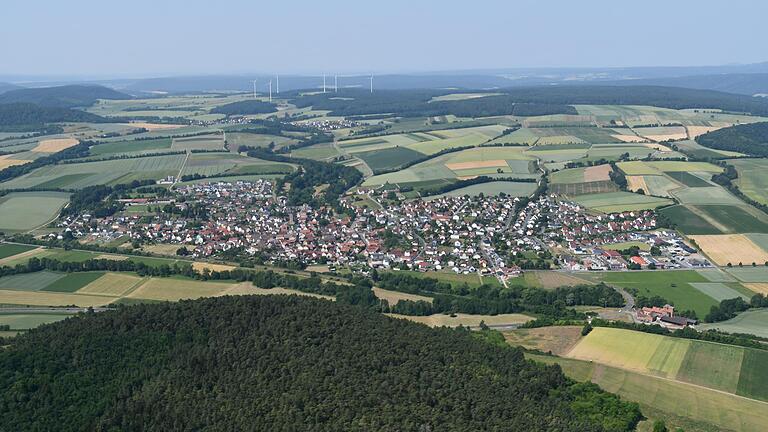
67, 96
245, 107
283, 363
751, 139
18, 117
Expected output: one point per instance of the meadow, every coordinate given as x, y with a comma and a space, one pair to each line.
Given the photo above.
752, 180
620, 201
24, 211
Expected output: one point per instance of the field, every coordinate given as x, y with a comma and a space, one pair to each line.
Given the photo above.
442, 320
171, 289
73, 281
394, 296
751, 322
199, 142
707, 364
9, 250
557, 340
731, 248
427, 142
132, 146
211, 164
690, 222
752, 180
26, 321
112, 284
55, 145
620, 201
680, 404
688, 179
237, 139
80, 175
24, 211
494, 188
659, 167
674, 286
389, 158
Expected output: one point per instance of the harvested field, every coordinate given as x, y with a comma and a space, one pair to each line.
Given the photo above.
199, 266
629, 138
55, 145
477, 164
441, 320
7, 161
154, 126
177, 289
112, 284
597, 173
555, 279
695, 131
247, 288
574, 189
394, 296
758, 287
42, 298
557, 340
730, 248
635, 183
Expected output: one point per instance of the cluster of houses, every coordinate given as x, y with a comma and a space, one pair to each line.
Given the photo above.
663, 316
328, 125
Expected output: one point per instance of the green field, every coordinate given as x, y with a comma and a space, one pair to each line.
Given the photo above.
389, 158
28, 321
211, 164
237, 139
688, 221
317, 152
9, 250
29, 281
24, 211
752, 180
675, 286
753, 321
736, 218
711, 365
200, 142
131, 146
688, 179
493, 188
620, 201
73, 281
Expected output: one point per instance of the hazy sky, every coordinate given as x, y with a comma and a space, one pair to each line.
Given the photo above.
142, 37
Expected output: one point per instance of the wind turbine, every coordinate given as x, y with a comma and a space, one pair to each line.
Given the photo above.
371, 83
254, 88
335, 83
270, 90
278, 83
323, 83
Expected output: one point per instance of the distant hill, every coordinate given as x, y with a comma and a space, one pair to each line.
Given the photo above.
68, 96
747, 84
27, 116
245, 107
284, 363
749, 139
5, 87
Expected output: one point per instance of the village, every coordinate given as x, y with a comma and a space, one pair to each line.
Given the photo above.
495, 236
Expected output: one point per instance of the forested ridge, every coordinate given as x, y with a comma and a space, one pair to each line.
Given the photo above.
283, 363
67, 96
23, 116
749, 139
245, 107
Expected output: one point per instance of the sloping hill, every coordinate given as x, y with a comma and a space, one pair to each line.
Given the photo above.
22, 116
283, 363
68, 96
4, 87
747, 138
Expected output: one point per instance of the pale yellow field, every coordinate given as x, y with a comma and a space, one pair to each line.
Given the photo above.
41, 298
758, 287
199, 266
636, 182
558, 339
629, 138
392, 297
441, 320
153, 126
476, 164
666, 137
178, 289
560, 139
112, 257
162, 249
730, 248
554, 279
657, 146
55, 145
694, 131
112, 284
247, 288
6, 161
597, 173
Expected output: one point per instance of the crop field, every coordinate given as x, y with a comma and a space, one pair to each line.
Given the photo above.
688, 179
199, 142
758, 274
29, 281
558, 340
690, 222
427, 143
752, 179
55, 145
662, 133
674, 286
574, 189
722, 291
131, 146
112, 284
705, 196
237, 139
443, 320
660, 167
317, 152
80, 175
731, 248
681, 404
707, 364
30, 320
395, 296
8, 250
736, 219
23, 211
620, 201
389, 158
73, 281
753, 321
517, 189
172, 289
211, 164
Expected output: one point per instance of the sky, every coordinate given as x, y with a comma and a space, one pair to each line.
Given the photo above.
139, 38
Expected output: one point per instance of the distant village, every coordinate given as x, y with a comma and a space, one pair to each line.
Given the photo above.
494, 236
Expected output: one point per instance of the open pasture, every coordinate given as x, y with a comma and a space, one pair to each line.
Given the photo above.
753, 321
316, 152
731, 248
24, 211
557, 340
612, 202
